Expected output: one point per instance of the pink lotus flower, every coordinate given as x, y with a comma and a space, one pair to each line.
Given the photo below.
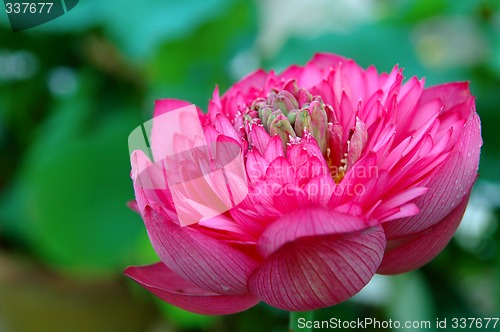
350, 173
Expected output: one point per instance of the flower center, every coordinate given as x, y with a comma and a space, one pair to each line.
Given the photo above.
294, 113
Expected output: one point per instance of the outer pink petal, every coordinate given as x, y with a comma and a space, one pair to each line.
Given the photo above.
215, 105
326, 61
163, 106
171, 288
290, 73
224, 126
259, 138
274, 149
150, 184
253, 81
316, 258
404, 255
256, 166
407, 99
162, 139
448, 184
450, 94
208, 263
307, 222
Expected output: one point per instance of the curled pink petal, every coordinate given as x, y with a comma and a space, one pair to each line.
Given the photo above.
307, 223
169, 287
448, 184
410, 253
318, 271
208, 263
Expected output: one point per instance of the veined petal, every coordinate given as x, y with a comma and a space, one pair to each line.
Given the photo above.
319, 190
224, 126
353, 80
256, 166
244, 91
208, 263
407, 100
397, 201
450, 94
320, 271
259, 138
410, 253
163, 106
292, 72
171, 288
448, 185
326, 61
253, 80
280, 171
305, 223
150, 183
274, 149
311, 75
214, 105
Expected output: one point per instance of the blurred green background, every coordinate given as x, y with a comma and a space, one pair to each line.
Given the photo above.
73, 89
